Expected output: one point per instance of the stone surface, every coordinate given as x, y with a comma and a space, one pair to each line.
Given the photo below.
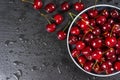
28, 52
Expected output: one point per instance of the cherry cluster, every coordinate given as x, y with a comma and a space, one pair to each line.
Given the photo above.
57, 18
95, 40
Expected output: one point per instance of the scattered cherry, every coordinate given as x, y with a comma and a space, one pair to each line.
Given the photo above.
37, 4
61, 35
51, 27
50, 7
78, 6
65, 6
58, 18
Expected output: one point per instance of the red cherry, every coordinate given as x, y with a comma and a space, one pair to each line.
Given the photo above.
88, 66
96, 31
96, 43
117, 65
92, 22
114, 13
75, 53
37, 4
110, 52
110, 70
65, 6
75, 30
83, 24
80, 45
84, 16
78, 6
89, 37
82, 60
98, 69
50, 7
106, 34
110, 41
110, 21
51, 27
97, 54
58, 18
61, 35
118, 43
93, 13
116, 28
105, 13
106, 65
106, 27
72, 39
101, 20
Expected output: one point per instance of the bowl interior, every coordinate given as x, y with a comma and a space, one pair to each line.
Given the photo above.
99, 7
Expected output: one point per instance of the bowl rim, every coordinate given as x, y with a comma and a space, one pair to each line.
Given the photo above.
93, 74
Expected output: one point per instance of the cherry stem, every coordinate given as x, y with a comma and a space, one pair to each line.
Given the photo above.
95, 64
95, 3
67, 25
45, 17
27, 1
112, 31
86, 34
107, 50
72, 14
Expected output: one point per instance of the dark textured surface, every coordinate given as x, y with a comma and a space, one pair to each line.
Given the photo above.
28, 52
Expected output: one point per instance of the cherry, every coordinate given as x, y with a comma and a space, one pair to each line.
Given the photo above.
78, 6
118, 58
75, 52
80, 45
106, 27
83, 24
82, 60
80, 37
89, 37
110, 52
110, 41
110, 70
117, 51
73, 39
86, 50
84, 16
96, 31
97, 54
110, 21
75, 30
96, 43
118, 43
92, 22
105, 13
93, 13
61, 35
37, 4
98, 69
106, 65
51, 27
116, 28
50, 7
101, 20
88, 66
114, 13
112, 58
106, 34
58, 18
117, 65
65, 6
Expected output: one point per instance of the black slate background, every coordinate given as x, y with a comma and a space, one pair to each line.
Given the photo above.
28, 52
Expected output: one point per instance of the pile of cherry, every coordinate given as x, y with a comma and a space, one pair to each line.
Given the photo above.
95, 41
94, 38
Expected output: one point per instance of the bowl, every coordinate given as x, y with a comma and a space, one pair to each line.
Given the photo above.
99, 7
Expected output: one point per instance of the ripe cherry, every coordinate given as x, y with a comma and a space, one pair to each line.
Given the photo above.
105, 13
101, 20
106, 27
110, 41
75, 30
72, 39
78, 6
58, 18
83, 24
80, 45
92, 22
106, 65
88, 66
51, 27
65, 6
37, 4
114, 13
82, 60
97, 54
61, 35
93, 13
116, 28
96, 43
118, 44
50, 7
84, 16
117, 65
75, 52
96, 31
88, 37
110, 70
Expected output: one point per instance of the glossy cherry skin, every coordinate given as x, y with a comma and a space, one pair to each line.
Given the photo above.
78, 6
86, 50
106, 27
96, 31
116, 28
88, 66
65, 6
105, 13
110, 21
72, 39
92, 22
83, 24
84, 16
118, 44
110, 70
117, 51
93, 13
89, 37
106, 34
50, 7
51, 27
97, 54
106, 65
58, 18
75, 52
96, 43
61, 35
80, 45
117, 65
112, 58
37, 4
101, 20
114, 13
110, 41
75, 30
82, 60
97, 69
110, 52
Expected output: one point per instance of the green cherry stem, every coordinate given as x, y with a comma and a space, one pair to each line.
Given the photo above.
66, 26
95, 3
70, 14
27, 1
45, 17
112, 31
